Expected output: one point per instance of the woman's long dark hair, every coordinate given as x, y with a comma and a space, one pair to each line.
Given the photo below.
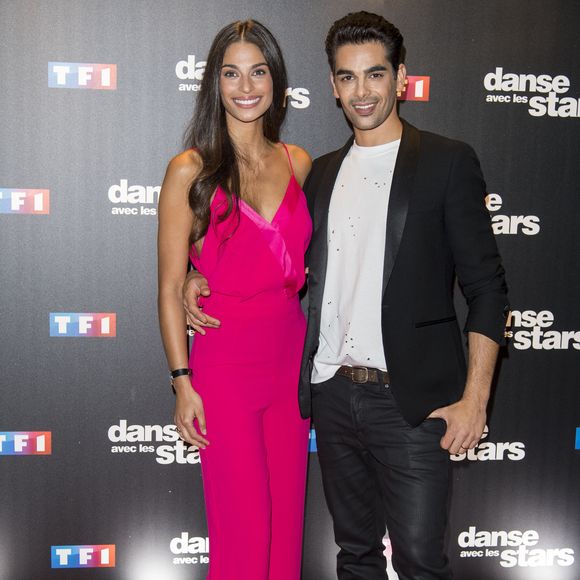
208, 132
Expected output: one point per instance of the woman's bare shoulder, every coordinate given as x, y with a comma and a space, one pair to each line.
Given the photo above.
301, 161
185, 166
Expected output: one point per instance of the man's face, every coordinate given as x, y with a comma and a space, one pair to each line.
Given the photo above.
365, 84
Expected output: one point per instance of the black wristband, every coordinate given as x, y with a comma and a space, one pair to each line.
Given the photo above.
179, 372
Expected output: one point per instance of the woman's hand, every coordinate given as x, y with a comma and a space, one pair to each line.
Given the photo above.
188, 407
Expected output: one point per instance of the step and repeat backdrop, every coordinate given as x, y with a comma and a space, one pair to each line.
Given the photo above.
94, 481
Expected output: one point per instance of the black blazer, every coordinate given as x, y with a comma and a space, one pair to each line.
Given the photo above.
437, 226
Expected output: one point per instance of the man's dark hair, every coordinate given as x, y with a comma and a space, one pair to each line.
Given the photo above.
361, 27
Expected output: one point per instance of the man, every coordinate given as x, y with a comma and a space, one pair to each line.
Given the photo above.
396, 213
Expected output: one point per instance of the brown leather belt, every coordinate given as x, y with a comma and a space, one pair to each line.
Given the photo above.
362, 375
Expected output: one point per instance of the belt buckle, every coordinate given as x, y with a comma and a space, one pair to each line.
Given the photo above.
354, 374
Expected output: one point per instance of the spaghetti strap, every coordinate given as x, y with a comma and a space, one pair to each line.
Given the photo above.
289, 158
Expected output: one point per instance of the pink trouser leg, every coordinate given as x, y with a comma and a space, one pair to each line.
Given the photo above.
254, 475
237, 497
286, 437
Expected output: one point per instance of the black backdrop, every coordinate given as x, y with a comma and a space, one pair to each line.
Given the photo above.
88, 456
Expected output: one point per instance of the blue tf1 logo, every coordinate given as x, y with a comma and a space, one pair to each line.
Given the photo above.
85, 556
80, 75
312, 442
577, 446
91, 324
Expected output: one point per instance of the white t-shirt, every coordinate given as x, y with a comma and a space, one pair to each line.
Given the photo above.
350, 324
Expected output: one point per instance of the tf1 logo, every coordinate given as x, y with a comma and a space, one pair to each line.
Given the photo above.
88, 556
89, 324
79, 75
416, 89
34, 201
25, 442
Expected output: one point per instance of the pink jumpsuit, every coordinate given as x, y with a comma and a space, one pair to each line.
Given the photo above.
246, 371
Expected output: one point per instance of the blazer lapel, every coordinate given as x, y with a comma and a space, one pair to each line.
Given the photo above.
401, 189
319, 245
327, 185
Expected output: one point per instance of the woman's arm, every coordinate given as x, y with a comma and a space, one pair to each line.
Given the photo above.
175, 225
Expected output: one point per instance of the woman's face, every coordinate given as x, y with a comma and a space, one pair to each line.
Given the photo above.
246, 87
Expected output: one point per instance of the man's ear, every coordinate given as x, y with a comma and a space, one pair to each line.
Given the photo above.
333, 85
401, 79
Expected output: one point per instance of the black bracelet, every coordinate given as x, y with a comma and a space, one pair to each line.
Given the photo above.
179, 372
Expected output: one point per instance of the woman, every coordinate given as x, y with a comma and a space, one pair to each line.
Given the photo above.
236, 194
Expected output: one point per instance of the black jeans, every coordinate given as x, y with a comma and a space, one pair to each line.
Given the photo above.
378, 472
